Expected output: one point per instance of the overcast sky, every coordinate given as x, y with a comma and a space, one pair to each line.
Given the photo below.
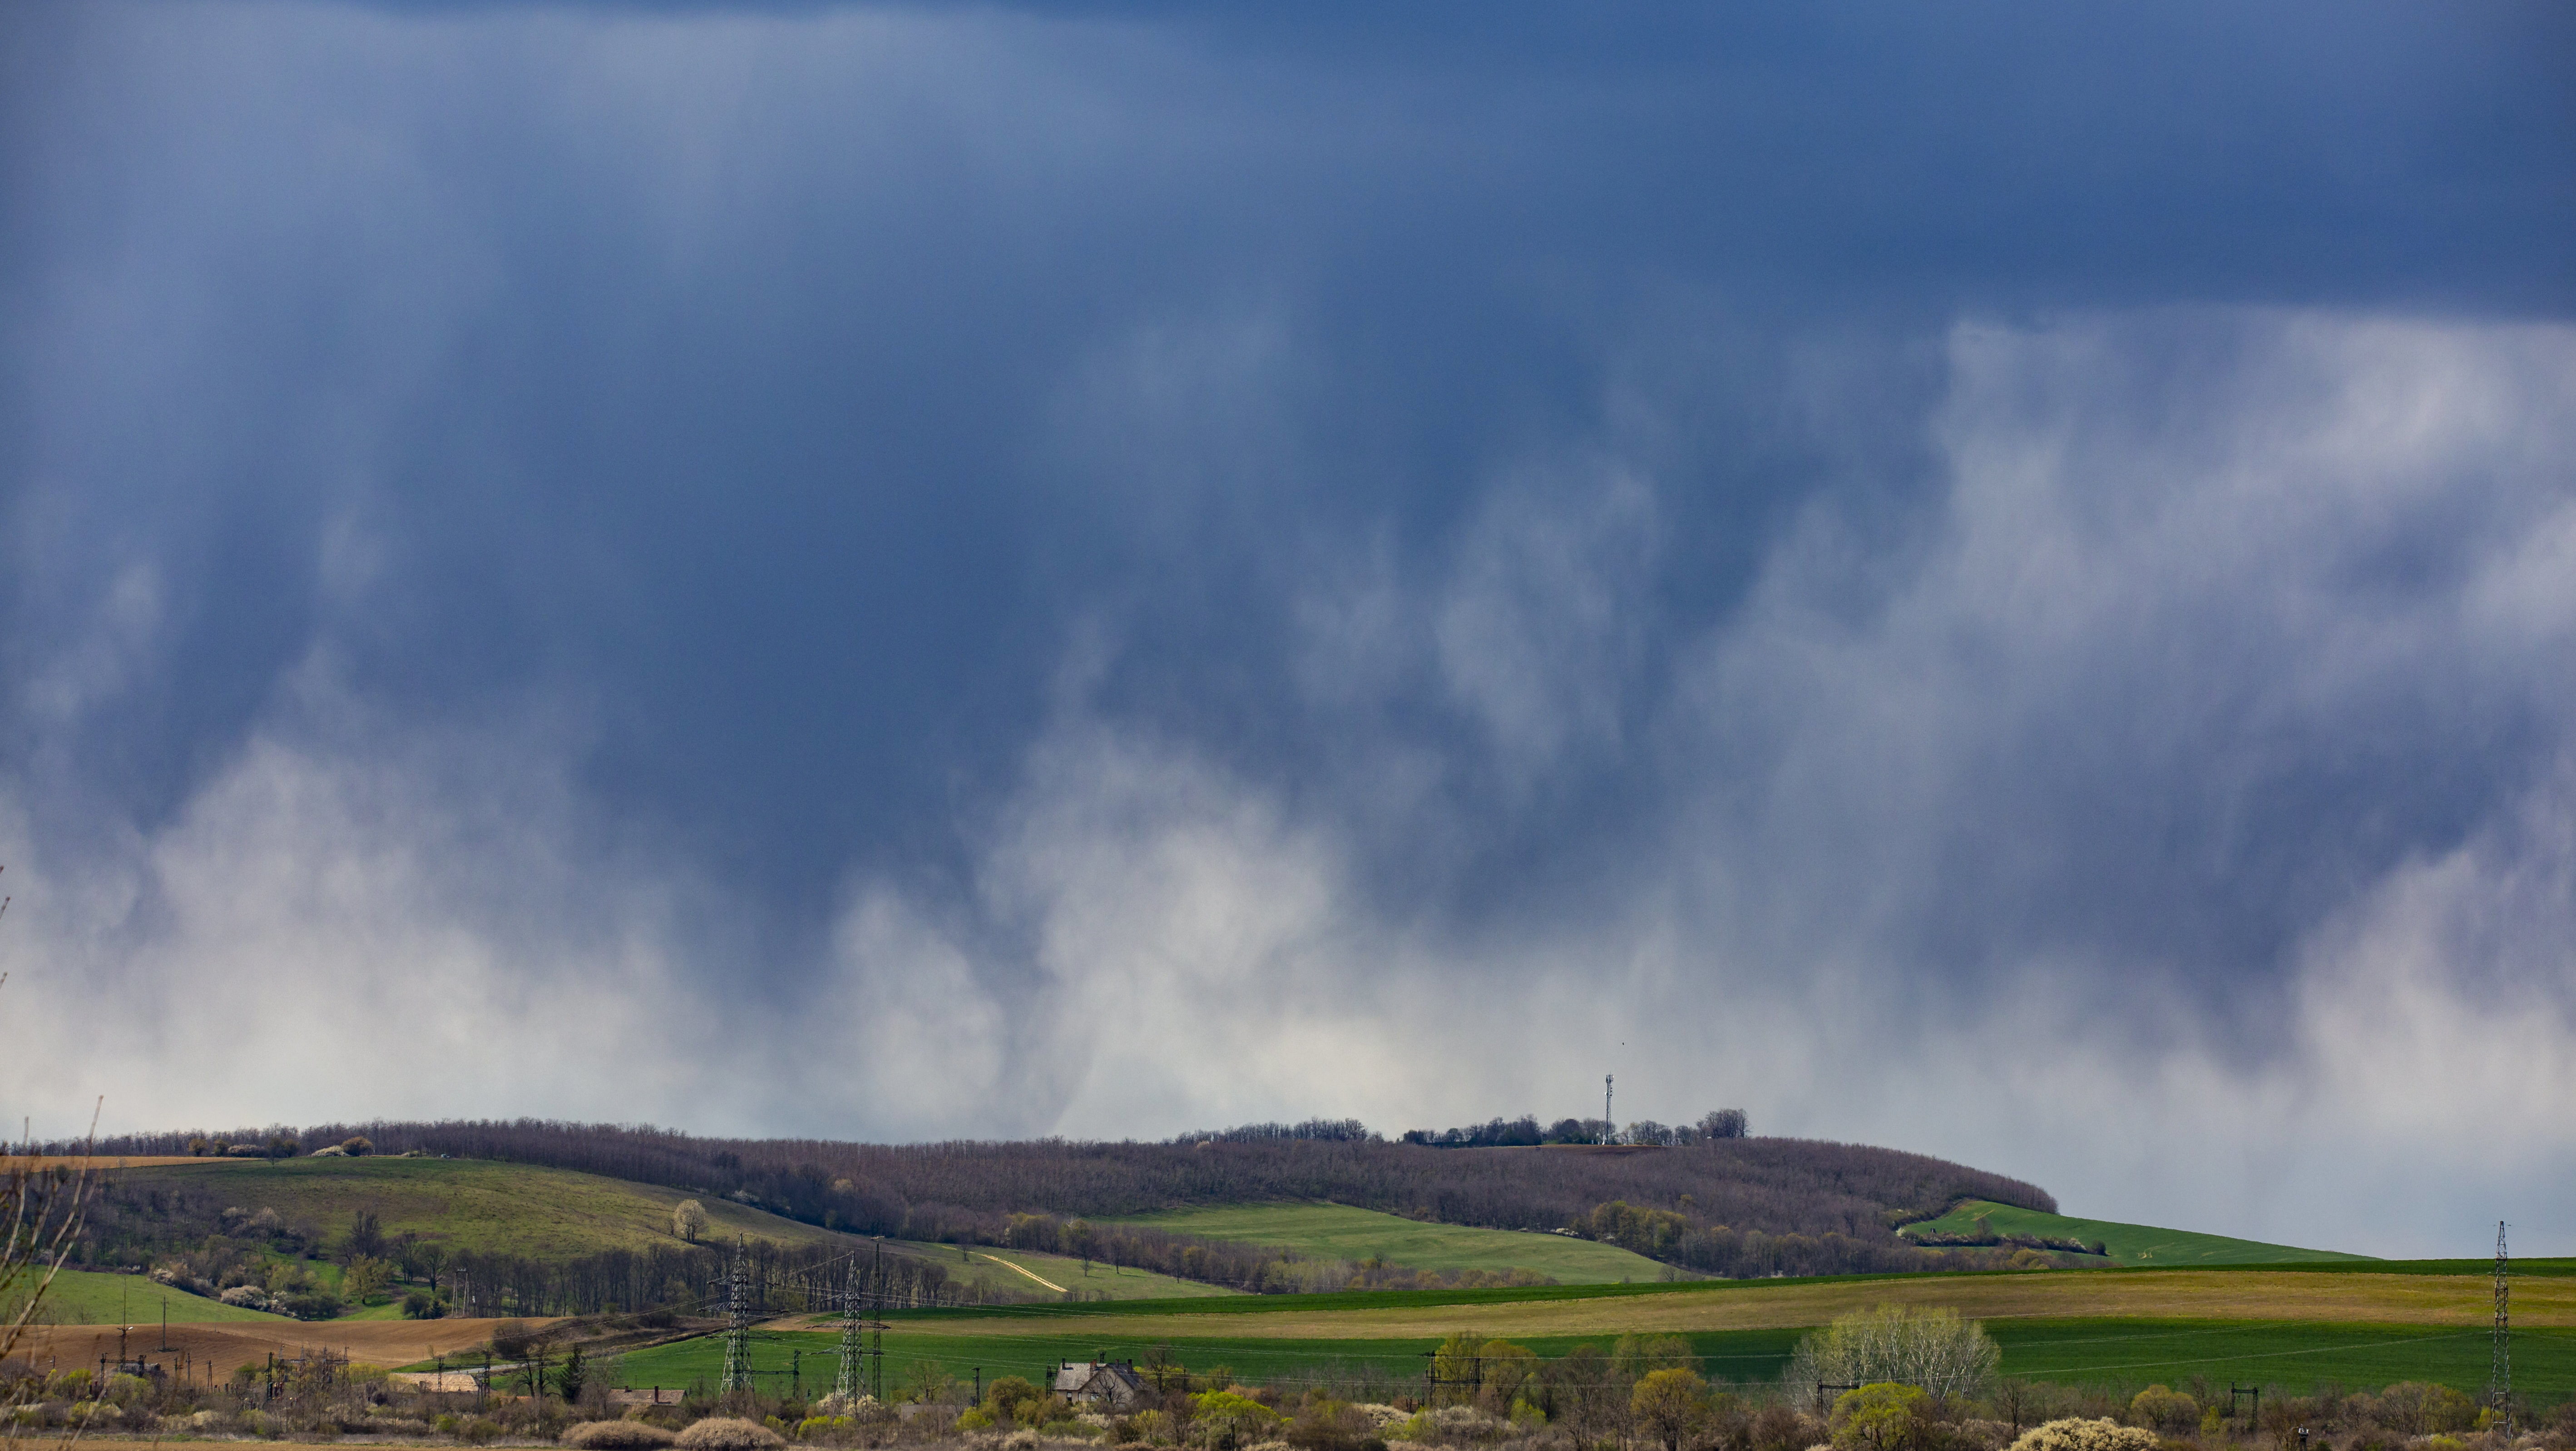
1993, 580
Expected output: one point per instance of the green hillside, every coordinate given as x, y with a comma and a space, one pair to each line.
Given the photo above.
2129, 1244
1026, 1272
477, 1204
84, 1297
1335, 1231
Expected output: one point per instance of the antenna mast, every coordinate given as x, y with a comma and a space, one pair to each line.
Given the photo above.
737, 1362
2500, 1376
1609, 1125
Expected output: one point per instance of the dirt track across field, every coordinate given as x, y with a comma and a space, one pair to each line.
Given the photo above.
216, 1348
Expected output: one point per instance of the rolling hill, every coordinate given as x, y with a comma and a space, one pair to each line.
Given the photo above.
492, 1208
1735, 1207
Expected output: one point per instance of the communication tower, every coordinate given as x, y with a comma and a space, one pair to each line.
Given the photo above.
1609, 1124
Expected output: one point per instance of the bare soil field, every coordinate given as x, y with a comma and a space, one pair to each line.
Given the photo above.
216, 1349
2446, 1300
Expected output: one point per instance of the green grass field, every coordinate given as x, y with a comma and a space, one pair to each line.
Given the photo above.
2129, 1244
2286, 1356
1002, 1269
1334, 1231
82, 1297
475, 1203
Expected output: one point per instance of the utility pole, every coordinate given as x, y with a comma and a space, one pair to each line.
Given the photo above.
2500, 1373
737, 1361
878, 1276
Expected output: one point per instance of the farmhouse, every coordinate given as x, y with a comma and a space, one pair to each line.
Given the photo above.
1108, 1384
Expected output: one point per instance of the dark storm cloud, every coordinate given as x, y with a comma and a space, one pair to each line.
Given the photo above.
1776, 537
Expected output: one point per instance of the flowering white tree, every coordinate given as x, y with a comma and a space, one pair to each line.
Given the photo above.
1934, 1349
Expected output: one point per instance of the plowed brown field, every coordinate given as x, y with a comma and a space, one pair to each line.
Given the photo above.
94, 1161
216, 1349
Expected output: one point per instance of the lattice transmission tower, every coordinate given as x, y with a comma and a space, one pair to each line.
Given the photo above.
849, 1386
737, 1365
2500, 1375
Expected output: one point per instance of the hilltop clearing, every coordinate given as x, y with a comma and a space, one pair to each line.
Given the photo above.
1983, 1221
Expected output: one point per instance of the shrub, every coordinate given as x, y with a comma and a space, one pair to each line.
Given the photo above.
1781, 1428
356, 1146
309, 1305
1006, 1395
617, 1436
1881, 1416
511, 1339
2077, 1434
2161, 1408
729, 1433
248, 1297
477, 1430
422, 1305
1323, 1424
1227, 1419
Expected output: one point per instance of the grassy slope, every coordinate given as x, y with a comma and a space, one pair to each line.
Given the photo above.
475, 1203
2130, 1244
82, 1297
1340, 1232
980, 1264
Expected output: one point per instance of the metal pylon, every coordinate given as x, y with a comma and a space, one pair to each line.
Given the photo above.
2500, 1374
737, 1365
848, 1386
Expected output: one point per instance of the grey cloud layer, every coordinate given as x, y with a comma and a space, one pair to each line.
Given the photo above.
1092, 574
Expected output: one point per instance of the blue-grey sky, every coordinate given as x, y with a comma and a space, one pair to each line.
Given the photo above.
1993, 579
